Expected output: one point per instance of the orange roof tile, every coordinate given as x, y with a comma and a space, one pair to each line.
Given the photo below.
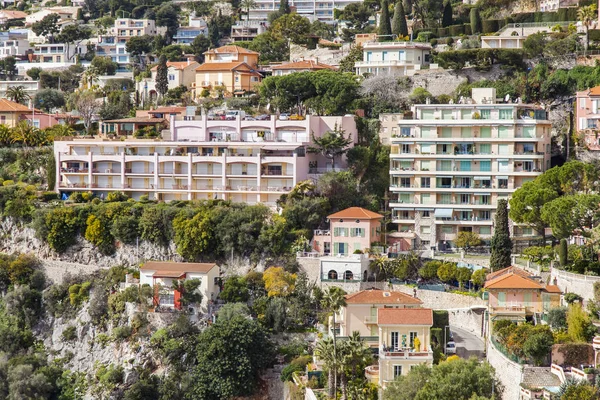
595, 91
512, 281
552, 289
511, 269
167, 110
405, 316
377, 296
13, 14
137, 120
171, 267
10, 106
308, 64
355, 213
230, 49
178, 65
222, 66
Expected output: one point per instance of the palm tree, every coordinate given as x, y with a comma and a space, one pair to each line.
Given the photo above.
587, 15
5, 135
59, 130
325, 352
247, 5
17, 94
355, 356
27, 134
333, 300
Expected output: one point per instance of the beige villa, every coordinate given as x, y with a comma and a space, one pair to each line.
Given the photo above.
360, 312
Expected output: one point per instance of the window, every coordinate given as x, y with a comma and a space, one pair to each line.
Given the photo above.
485, 215
528, 148
167, 299
503, 149
424, 165
464, 198
384, 55
413, 335
425, 148
425, 197
528, 166
426, 230
446, 165
427, 132
447, 114
427, 114
446, 132
485, 114
405, 198
340, 248
465, 166
444, 149
486, 132
466, 132
405, 182
506, 114
397, 370
394, 343
485, 166
503, 132
485, 230
357, 232
501, 299
529, 131
405, 149
447, 229
172, 77
446, 198
466, 114
485, 148
425, 214
502, 166
444, 183
405, 131
502, 183
343, 232
425, 182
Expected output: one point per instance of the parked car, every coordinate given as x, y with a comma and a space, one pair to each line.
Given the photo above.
233, 114
297, 117
263, 117
450, 348
284, 117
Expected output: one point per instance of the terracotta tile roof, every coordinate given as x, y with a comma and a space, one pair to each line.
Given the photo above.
376, 296
137, 120
355, 213
168, 274
539, 377
512, 281
13, 14
595, 91
167, 110
552, 289
307, 64
10, 106
405, 316
178, 65
230, 49
171, 267
223, 66
507, 270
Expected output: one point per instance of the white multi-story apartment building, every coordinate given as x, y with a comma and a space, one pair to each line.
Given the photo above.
14, 47
126, 28
451, 164
200, 158
400, 58
321, 10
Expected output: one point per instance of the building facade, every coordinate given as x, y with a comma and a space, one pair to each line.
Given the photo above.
452, 163
300, 66
161, 275
321, 10
198, 158
247, 30
398, 58
179, 73
352, 229
588, 117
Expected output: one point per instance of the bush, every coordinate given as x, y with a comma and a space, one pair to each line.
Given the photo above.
456, 30
121, 333
116, 196
78, 293
49, 196
297, 365
69, 334
8, 182
563, 252
490, 26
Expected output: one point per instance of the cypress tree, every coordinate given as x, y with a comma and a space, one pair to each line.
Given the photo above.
501, 245
563, 253
447, 16
399, 26
162, 78
284, 7
475, 21
385, 27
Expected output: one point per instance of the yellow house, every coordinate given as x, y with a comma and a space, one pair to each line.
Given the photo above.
404, 342
231, 67
360, 312
12, 113
517, 295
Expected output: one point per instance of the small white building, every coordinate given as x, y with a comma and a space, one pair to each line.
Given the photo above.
14, 47
350, 268
398, 58
65, 14
162, 274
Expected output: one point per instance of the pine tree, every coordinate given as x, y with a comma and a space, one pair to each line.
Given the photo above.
475, 21
162, 79
284, 7
447, 16
399, 26
501, 244
385, 28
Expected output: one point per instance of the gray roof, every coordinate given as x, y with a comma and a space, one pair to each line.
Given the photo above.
539, 377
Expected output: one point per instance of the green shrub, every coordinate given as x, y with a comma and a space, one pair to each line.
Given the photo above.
490, 25
116, 196
594, 35
442, 32
102, 339
563, 252
9, 182
456, 30
468, 30
121, 333
69, 334
49, 196
78, 293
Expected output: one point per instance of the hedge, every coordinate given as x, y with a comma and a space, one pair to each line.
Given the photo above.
490, 25
594, 34
456, 30
480, 58
467, 28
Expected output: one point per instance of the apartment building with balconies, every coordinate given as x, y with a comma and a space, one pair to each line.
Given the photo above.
587, 117
397, 58
451, 164
198, 158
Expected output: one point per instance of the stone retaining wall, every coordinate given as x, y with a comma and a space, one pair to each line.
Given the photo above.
467, 319
507, 371
583, 285
441, 300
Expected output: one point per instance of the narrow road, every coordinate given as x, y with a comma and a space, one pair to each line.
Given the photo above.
467, 344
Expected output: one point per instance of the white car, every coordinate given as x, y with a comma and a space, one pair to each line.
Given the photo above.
450, 348
284, 117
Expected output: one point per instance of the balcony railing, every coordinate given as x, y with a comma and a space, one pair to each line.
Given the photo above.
322, 232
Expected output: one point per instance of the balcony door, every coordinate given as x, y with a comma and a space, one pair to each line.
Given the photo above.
395, 336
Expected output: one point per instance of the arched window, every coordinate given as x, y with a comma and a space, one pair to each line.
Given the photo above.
348, 275
332, 275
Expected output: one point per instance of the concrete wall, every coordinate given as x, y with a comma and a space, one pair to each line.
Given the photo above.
467, 319
583, 285
441, 300
311, 266
508, 372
